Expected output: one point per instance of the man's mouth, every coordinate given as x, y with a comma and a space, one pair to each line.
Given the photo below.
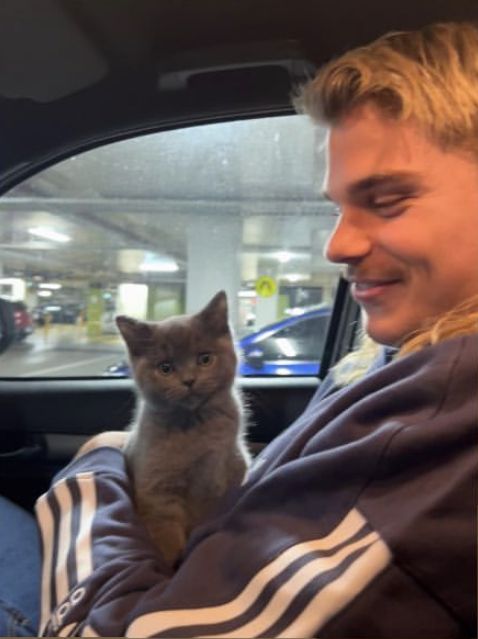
366, 290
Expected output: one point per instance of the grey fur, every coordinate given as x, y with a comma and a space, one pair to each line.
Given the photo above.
186, 447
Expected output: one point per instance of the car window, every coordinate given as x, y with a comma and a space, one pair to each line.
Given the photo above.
303, 340
154, 226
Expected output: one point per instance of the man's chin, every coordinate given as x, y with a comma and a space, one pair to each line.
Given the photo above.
385, 335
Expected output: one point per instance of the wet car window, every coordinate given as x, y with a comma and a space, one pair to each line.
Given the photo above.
154, 226
301, 341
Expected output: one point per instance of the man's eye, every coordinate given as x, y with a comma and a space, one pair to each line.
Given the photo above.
205, 359
165, 367
389, 204
387, 200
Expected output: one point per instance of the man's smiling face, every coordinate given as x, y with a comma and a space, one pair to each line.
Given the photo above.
408, 222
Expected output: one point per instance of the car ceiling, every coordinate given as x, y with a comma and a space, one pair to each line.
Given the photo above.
73, 68
75, 73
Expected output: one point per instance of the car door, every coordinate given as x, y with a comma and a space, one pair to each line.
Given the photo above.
297, 348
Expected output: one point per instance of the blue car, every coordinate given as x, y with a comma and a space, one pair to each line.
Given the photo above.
291, 346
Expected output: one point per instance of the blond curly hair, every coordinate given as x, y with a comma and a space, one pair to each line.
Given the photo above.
429, 76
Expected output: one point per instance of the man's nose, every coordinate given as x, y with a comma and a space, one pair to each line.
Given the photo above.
350, 240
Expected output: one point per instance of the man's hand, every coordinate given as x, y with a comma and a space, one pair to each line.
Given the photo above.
112, 438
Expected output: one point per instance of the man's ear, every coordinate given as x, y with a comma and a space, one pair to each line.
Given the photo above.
215, 314
135, 333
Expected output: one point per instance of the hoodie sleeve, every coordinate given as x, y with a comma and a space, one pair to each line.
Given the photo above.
93, 546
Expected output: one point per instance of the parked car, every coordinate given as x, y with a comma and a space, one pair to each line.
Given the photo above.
23, 320
66, 313
7, 325
291, 346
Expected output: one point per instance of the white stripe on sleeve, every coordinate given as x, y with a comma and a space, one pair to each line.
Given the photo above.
46, 524
56, 528
340, 592
89, 632
84, 545
63, 496
162, 621
291, 588
67, 631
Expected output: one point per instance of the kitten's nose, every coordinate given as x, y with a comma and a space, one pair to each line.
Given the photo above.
189, 382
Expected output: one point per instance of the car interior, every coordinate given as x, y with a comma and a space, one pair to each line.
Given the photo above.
77, 77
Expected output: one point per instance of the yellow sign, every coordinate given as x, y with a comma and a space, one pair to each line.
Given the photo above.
266, 286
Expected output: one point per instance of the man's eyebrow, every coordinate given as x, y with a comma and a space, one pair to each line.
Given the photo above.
403, 178
399, 178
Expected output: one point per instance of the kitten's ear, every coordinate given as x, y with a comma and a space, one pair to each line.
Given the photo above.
136, 334
214, 315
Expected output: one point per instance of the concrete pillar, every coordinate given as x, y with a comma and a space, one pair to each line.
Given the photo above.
94, 312
213, 262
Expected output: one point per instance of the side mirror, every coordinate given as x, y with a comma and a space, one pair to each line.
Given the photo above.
7, 325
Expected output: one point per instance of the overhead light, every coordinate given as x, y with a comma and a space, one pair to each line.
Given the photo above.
283, 256
294, 277
159, 266
49, 234
52, 286
44, 293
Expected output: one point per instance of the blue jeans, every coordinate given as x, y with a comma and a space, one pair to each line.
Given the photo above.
20, 570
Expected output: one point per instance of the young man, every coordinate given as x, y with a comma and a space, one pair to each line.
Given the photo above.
359, 520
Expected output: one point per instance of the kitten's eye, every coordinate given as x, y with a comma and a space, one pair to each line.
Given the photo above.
205, 359
165, 367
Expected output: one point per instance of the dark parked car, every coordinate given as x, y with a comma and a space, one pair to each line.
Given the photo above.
23, 320
7, 325
57, 313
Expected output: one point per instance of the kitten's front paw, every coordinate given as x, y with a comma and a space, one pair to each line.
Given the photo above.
111, 438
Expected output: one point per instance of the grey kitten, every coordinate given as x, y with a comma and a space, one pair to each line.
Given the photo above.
186, 447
